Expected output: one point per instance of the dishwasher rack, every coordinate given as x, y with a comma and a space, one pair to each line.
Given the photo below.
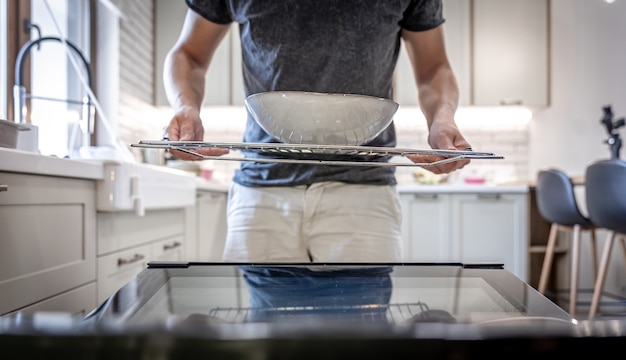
368, 313
346, 155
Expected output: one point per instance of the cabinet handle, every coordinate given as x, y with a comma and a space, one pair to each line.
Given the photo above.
433, 196
489, 196
135, 258
172, 246
4, 187
511, 102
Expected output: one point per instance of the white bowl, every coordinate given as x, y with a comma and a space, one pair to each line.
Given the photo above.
297, 117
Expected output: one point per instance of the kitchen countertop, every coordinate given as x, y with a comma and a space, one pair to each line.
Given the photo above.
32, 163
27, 162
222, 186
462, 188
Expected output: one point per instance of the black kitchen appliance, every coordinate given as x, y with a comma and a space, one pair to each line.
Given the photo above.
294, 311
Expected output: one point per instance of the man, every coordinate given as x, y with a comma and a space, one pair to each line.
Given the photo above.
322, 213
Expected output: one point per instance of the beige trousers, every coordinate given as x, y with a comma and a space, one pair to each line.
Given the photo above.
322, 223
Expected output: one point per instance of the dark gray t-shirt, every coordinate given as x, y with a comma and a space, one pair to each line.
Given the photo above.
334, 46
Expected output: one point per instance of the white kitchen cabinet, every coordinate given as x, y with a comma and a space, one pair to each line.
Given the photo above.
498, 50
80, 301
490, 227
127, 242
118, 268
425, 226
210, 226
47, 242
510, 52
466, 227
168, 250
223, 81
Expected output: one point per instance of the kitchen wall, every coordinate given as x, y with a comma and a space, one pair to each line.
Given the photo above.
588, 71
588, 57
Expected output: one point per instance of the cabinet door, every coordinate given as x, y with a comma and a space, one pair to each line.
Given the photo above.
169, 18
490, 227
425, 228
47, 237
457, 39
510, 52
211, 226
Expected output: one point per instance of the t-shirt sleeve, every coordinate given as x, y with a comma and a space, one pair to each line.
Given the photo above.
422, 15
216, 11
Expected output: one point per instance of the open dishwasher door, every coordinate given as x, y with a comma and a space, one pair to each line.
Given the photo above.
313, 311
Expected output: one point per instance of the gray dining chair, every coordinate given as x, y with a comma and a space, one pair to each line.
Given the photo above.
605, 189
557, 204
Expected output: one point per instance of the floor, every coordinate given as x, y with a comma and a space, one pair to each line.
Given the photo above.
611, 306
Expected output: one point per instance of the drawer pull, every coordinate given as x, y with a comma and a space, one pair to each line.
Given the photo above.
135, 258
4, 187
172, 246
426, 196
489, 196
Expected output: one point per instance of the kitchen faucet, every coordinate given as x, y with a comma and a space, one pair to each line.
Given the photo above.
20, 95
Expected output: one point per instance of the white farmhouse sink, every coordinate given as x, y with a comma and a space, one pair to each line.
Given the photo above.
139, 187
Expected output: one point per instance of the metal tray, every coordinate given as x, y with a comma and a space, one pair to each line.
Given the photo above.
317, 154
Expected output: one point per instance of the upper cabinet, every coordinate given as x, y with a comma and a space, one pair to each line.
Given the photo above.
498, 50
510, 52
224, 85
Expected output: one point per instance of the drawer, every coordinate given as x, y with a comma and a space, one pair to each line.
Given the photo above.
168, 250
117, 269
124, 230
79, 301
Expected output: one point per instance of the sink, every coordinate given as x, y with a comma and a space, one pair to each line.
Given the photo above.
139, 187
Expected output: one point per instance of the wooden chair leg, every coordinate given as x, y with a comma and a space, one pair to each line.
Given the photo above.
623, 242
547, 259
594, 252
601, 278
574, 264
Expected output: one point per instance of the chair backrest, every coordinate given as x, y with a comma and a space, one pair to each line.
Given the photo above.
556, 200
605, 190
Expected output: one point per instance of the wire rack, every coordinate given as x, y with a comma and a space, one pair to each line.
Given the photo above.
318, 154
370, 313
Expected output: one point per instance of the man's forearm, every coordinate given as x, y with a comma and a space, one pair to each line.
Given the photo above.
184, 82
439, 96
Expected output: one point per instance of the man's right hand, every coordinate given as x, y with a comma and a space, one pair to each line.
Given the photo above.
186, 125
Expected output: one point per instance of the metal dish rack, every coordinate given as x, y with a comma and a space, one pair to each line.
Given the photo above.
317, 154
370, 313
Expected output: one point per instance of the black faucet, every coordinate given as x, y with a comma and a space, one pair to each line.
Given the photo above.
19, 91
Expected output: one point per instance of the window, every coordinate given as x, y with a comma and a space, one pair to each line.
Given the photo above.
59, 102
54, 98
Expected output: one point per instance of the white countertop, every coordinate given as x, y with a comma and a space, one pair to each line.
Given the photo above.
32, 163
26, 162
221, 186
462, 188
